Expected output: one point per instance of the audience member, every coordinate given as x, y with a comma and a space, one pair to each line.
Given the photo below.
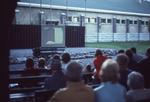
144, 68
56, 57
137, 91
123, 61
98, 61
132, 63
110, 90
136, 57
65, 60
87, 74
29, 71
121, 51
76, 90
57, 80
42, 63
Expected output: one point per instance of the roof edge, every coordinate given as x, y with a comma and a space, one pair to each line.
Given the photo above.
80, 9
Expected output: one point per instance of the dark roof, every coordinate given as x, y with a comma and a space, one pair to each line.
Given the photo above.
116, 5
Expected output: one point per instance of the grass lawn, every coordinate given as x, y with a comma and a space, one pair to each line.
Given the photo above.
141, 46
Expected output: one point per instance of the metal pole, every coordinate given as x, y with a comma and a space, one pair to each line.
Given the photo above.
30, 12
66, 18
50, 10
85, 7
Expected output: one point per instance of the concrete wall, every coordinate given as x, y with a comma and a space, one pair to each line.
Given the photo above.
28, 15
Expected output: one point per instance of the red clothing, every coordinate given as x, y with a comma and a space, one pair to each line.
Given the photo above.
98, 61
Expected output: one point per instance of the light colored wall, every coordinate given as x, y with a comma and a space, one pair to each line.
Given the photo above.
31, 16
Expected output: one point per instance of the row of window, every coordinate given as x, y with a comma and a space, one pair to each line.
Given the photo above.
104, 20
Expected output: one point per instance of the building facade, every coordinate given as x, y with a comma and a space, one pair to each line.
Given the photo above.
102, 25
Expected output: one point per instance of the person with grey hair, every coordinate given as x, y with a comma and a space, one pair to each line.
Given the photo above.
110, 90
76, 90
57, 80
137, 91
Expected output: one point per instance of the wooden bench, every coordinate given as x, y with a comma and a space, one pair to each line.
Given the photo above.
19, 72
18, 79
27, 88
22, 97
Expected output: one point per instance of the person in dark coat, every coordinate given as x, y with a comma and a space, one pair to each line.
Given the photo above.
57, 80
144, 68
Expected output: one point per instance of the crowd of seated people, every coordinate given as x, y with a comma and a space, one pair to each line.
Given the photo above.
30, 70
76, 90
116, 77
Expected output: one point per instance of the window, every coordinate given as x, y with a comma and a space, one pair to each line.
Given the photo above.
69, 19
92, 20
130, 22
103, 20
88, 20
142, 22
135, 22
95, 20
109, 20
123, 21
118, 21
146, 22
76, 19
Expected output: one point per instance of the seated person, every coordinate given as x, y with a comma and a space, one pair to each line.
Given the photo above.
57, 80
137, 91
98, 61
88, 73
65, 60
42, 63
123, 61
132, 63
144, 68
136, 56
56, 57
110, 90
29, 71
76, 90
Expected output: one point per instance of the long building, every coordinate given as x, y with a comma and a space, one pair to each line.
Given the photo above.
104, 20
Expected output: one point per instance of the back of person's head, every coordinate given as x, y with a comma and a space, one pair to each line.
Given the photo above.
41, 62
56, 57
109, 71
129, 53
66, 57
89, 68
121, 51
133, 49
135, 80
148, 52
98, 52
55, 65
74, 72
29, 63
122, 60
